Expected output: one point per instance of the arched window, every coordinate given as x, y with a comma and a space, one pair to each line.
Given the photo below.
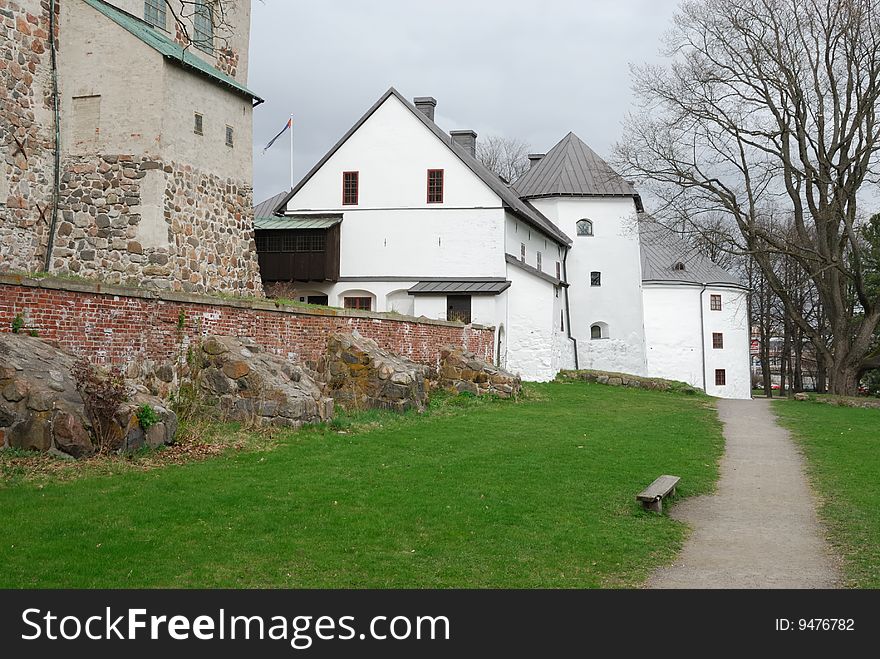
595, 332
679, 266
585, 227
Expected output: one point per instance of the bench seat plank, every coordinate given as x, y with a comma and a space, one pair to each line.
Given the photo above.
652, 496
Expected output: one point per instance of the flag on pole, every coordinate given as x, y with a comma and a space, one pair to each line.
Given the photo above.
287, 127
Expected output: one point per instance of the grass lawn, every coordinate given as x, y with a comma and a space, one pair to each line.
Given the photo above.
842, 446
534, 493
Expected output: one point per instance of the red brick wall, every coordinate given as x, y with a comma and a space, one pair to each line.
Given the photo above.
122, 325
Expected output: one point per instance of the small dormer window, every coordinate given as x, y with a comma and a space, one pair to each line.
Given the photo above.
155, 13
679, 267
203, 26
585, 228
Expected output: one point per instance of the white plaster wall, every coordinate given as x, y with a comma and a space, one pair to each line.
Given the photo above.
99, 58
614, 251
422, 243
518, 233
672, 333
187, 93
733, 322
530, 327
675, 342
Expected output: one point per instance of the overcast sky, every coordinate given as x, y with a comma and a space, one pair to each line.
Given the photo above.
531, 70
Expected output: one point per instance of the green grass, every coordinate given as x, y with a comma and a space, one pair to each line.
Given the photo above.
534, 493
842, 446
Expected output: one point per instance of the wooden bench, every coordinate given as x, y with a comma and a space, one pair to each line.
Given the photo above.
652, 496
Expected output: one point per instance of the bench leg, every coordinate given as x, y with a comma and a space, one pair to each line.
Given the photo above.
655, 506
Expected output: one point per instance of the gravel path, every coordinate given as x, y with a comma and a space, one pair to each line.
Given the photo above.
760, 529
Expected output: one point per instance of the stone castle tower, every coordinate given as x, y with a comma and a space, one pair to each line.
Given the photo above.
125, 154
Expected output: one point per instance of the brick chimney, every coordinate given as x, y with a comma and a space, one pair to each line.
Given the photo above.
466, 139
535, 158
426, 105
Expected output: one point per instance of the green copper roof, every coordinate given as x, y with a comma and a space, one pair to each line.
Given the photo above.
168, 48
297, 222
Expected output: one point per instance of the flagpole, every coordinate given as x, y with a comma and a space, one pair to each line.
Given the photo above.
291, 152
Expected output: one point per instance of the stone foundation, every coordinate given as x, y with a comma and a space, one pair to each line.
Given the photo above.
137, 221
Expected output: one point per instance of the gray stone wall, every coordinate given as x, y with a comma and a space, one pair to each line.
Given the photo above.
26, 133
139, 222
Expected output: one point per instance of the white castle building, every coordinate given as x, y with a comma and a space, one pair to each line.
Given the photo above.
400, 216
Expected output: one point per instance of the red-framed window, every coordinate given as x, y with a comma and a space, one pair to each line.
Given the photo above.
363, 303
720, 377
350, 181
435, 186
715, 303
717, 340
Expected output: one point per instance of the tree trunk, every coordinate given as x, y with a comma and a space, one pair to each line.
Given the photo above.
844, 380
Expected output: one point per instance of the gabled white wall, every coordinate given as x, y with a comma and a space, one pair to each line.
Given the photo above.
393, 231
733, 322
614, 251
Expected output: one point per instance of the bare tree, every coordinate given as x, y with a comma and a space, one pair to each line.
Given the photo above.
507, 157
768, 111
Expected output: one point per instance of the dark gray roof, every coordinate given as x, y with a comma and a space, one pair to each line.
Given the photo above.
572, 169
519, 207
451, 287
514, 261
662, 250
272, 206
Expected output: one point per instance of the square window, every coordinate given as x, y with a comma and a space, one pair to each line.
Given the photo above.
362, 303
229, 136
595, 279
435, 186
198, 124
715, 303
350, 183
717, 340
720, 377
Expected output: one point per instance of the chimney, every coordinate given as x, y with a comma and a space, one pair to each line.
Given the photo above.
426, 105
535, 158
466, 139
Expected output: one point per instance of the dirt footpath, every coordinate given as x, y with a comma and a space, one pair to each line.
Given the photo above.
760, 529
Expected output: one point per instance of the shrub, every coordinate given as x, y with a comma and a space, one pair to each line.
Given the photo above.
17, 323
103, 392
147, 416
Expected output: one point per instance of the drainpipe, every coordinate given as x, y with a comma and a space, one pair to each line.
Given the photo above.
568, 310
50, 242
703, 336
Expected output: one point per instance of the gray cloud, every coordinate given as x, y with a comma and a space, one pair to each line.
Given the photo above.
532, 70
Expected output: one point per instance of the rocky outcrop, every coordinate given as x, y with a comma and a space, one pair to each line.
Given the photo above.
462, 371
246, 384
359, 375
625, 380
41, 409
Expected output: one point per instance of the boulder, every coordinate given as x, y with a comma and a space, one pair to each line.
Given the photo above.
245, 383
463, 371
358, 375
41, 409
